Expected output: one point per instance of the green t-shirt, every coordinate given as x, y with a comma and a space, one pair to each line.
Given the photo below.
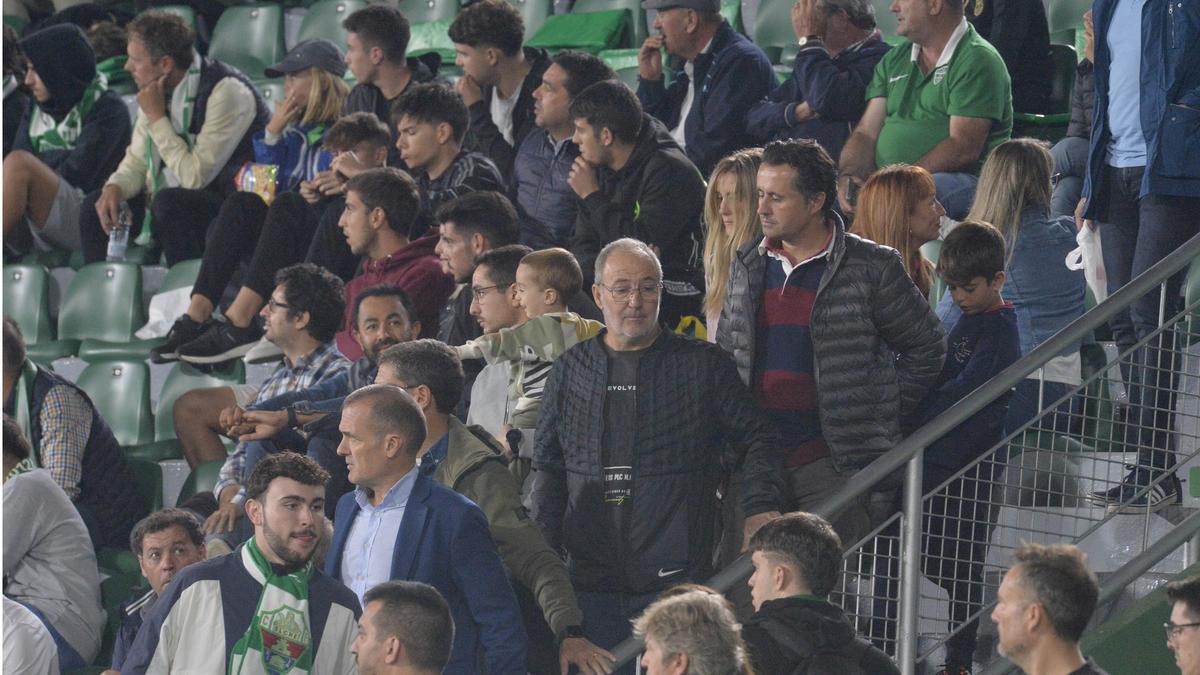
973, 82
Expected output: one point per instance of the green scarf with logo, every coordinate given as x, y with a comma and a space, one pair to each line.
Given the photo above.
46, 134
279, 640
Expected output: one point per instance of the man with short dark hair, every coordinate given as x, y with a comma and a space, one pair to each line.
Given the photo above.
823, 99
806, 298
194, 129
630, 438
165, 542
546, 204
941, 100
1042, 608
406, 628
72, 442
399, 524
797, 560
499, 76
378, 223
722, 76
495, 306
633, 180
1182, 636
467, 460
268, 604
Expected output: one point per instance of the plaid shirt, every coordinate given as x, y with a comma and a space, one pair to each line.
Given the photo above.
324, 362
66, 419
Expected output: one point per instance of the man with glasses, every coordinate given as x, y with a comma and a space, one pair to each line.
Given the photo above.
1042, 607
1183, 630
630, 442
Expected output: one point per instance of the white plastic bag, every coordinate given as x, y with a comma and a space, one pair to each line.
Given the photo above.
164, 309
1088, 257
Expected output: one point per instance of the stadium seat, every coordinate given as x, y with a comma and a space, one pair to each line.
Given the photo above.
249, 38
432, 37
272, 92
731, 10
182, 274
1052, 126
885, 21
203, 478
149, 481
27, 301
534, 12
624, 63
424, 11
1064, 18
101, 309
930, 252
773, 29
324, 20
120, 390
54, 258
594, 26
182, 379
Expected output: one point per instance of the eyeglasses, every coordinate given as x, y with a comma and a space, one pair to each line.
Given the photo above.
273, 305
622, 293
1173, 629
479, 291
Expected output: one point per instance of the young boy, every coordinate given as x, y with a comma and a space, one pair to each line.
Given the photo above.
545, 280
983, 343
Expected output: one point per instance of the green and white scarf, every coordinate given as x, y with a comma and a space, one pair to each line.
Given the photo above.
183, 105
10, 85
22, 400
46, 134
279, 639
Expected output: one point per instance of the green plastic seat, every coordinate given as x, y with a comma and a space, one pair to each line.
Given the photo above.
424, 11
101, 310
624, 63
324, 20
120, 390
885, 21
432, 36
27, 301
731, 10
17, 23
594, 26
181, 275
930, 252
534, 13
184, 378
1065, 16
249, 38
54, 258
773, 29
272, 92
203, 478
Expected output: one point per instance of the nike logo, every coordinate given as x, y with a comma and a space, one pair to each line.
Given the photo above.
668, 573
898, 77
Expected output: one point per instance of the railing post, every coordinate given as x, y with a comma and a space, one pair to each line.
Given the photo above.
1191, 552
910, 567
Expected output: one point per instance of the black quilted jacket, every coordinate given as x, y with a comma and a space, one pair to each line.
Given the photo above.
690, 403
877, 344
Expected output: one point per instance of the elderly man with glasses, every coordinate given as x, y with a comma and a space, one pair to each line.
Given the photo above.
637, 427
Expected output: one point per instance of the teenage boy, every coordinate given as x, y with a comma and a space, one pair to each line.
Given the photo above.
982, 344
544, 281
499, 77
432, 122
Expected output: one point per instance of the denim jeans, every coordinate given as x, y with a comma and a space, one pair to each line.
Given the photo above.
1135, 233
955, 191
1070, 165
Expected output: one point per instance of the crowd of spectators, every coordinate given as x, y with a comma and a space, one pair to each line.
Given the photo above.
492, 441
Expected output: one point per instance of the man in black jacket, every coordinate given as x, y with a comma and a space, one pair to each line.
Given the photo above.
498, 78
629, 443
795, 629
634, 181
846, 345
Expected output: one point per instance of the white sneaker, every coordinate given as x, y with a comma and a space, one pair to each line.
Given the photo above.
264, 351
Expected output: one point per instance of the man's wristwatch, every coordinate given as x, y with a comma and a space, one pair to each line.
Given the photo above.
814, 40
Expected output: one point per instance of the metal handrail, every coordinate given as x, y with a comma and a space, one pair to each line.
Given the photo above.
909, 449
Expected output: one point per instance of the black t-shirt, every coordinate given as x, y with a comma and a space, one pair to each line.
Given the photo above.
368, 98
620, 408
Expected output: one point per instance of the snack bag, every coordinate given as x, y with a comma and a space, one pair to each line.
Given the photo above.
259, 179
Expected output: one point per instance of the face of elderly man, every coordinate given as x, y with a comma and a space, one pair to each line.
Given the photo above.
628, 292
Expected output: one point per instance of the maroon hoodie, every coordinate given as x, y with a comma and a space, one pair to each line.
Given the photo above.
414, 268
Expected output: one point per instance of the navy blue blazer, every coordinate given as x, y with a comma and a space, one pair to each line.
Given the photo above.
444, 542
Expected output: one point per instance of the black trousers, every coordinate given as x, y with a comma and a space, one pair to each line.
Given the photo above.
266, 238
329, 248
179, 218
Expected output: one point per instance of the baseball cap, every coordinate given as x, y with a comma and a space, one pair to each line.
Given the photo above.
698, 5
315, 53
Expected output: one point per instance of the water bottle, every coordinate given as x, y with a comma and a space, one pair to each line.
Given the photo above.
118, 239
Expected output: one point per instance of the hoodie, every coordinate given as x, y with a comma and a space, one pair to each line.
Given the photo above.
414, 268
807, 634
657, 197
64, 61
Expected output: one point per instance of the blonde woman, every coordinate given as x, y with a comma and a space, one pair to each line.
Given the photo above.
1014, 195
731, 212
268, 237
898, 207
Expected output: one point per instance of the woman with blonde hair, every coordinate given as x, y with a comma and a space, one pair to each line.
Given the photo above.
270, 222
731, 212
898, 207
1014, 194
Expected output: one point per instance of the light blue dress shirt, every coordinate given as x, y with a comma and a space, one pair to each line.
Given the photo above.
1127, 147
371, 542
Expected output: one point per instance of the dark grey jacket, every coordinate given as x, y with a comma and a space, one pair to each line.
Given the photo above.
877, 345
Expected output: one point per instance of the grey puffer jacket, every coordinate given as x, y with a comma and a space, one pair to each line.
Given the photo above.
877, 344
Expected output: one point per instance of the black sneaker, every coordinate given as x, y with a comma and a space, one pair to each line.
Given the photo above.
1113, 495
222, 341
183, 331
1124, 498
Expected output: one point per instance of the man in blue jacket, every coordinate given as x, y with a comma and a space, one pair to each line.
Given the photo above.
400, 524
723, 75
839, 47
1143, 189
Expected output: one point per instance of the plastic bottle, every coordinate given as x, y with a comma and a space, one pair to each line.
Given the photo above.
118, 239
